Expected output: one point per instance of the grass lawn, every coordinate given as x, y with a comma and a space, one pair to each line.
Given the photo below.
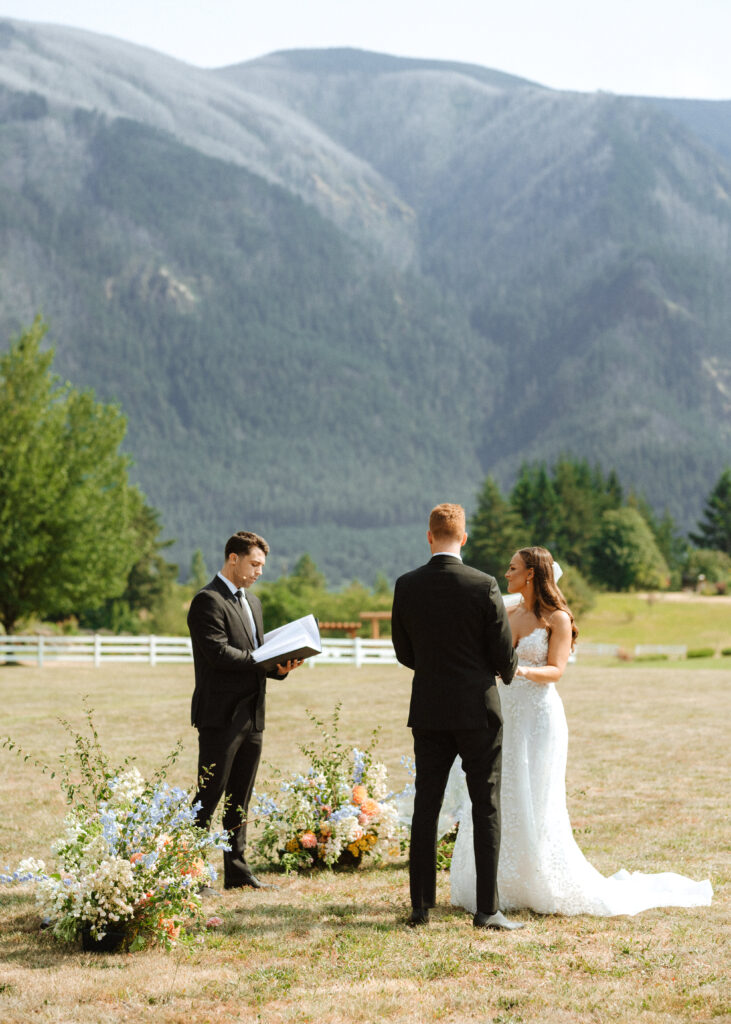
659, 618
647, 783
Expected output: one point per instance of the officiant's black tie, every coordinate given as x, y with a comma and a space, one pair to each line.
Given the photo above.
240, 596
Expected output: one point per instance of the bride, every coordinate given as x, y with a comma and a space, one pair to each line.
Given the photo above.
541, 868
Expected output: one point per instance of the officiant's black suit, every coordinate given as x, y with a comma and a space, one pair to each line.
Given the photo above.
450, 626
227, 710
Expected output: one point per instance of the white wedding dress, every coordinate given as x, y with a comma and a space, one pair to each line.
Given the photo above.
541, 867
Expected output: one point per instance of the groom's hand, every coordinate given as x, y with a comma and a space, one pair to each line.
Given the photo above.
289, 665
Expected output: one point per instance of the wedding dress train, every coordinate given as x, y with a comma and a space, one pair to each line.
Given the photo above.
541, 867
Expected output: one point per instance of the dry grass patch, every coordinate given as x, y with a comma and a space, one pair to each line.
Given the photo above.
647, 782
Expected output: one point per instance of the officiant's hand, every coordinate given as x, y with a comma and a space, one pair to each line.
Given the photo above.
289, 665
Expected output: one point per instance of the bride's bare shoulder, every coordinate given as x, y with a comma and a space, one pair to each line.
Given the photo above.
559, 621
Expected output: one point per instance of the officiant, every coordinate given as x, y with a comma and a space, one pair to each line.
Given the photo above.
226, 626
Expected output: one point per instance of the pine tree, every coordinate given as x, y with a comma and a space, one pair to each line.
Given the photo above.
198, 575
495, 532
714, 529
579, 509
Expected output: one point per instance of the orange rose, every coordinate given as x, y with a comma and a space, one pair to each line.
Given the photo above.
370, 807
170, 927
196, 869
360, 793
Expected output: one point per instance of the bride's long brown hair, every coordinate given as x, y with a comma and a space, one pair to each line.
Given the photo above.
548, 596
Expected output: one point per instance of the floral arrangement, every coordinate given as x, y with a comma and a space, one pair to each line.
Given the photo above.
337, 814
131, 861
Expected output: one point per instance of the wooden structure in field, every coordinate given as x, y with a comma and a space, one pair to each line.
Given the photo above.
375, 619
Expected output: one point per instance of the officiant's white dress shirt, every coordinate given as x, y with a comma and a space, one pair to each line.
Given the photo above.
246, 606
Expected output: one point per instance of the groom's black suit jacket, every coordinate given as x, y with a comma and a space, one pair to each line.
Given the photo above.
450, 626
225, 672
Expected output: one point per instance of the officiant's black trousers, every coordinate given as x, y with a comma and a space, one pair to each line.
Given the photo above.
228, 760
434, 753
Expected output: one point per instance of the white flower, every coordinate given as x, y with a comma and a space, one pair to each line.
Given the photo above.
376, 780
30, 864
333, 848
348, 829
126, 787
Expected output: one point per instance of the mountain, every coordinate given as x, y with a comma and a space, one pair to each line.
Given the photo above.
330, 288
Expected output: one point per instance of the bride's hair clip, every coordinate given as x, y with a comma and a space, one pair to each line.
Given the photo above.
557, 572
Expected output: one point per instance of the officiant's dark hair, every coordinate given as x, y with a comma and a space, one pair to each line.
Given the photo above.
242, 542
547, 591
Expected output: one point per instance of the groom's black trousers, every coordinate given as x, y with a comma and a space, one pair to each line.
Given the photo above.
434, 754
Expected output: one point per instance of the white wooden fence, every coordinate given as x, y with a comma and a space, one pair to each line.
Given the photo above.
166, 650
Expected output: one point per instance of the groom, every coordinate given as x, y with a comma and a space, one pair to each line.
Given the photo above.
450, 626
226, 626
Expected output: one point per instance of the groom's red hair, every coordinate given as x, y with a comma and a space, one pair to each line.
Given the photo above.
447, 522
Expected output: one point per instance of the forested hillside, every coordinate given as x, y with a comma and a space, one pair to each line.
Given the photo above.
329, 289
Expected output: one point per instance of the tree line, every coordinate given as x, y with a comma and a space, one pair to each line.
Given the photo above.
604, 537
80, 544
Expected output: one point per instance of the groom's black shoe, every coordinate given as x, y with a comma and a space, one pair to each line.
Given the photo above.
249, 882
419, 915
497, 921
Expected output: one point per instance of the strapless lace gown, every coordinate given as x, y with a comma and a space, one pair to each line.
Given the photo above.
541, 867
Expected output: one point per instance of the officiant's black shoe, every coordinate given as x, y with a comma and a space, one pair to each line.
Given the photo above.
419, 915
250, 882
496, 921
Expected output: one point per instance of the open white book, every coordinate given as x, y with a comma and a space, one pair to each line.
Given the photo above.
298, 639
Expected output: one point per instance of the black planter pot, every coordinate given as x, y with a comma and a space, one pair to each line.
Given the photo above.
111, 942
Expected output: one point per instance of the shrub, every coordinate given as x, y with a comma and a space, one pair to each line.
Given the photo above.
726, 652
701, 652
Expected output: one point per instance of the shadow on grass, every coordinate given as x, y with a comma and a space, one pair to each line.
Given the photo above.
336, 871
273, 918
25, 944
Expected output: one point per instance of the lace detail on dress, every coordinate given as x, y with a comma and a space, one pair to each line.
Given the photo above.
540, 866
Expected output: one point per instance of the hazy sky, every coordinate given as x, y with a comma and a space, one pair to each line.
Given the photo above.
641, 47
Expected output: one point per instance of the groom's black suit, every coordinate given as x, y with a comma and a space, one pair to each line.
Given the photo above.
228, 711
450, 626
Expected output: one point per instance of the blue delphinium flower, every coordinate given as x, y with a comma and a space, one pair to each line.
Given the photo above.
359, 759
110, 828
347, 811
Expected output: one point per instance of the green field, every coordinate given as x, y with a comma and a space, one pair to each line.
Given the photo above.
647, 786
658, 618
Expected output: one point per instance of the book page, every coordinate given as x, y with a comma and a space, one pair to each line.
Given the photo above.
300, 638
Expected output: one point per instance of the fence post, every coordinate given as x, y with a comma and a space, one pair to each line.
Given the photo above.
357, 652
40, 651
97, 650
153, 650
